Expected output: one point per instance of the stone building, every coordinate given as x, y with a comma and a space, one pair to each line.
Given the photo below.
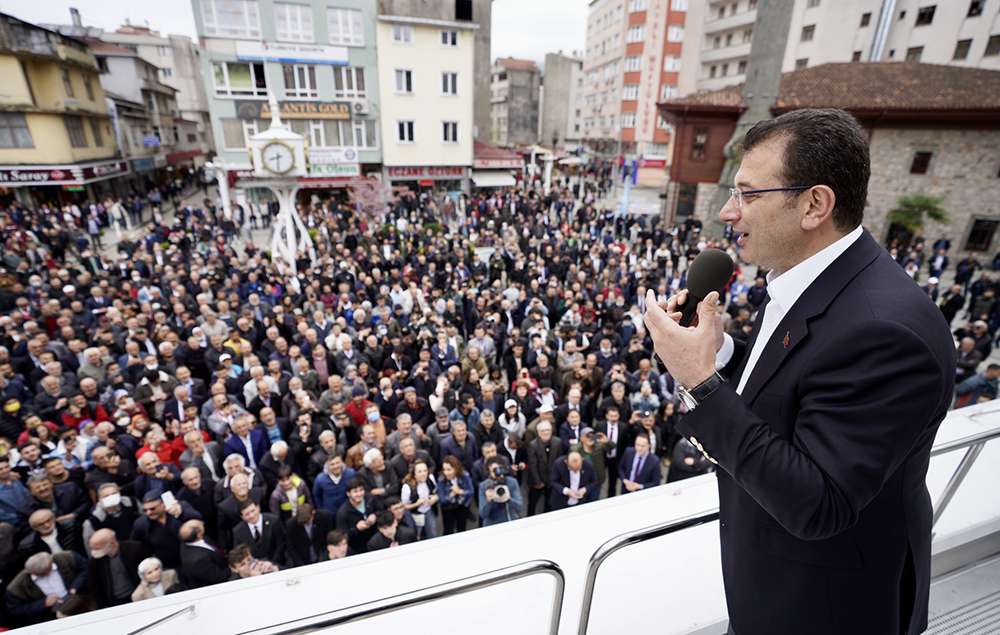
562, 102
933, 130
514, 104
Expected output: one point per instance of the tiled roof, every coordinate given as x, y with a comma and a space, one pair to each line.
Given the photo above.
100, 47
482, 150
879, 86
512, 64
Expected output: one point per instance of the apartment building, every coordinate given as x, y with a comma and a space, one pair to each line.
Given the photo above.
562, 104
514, 102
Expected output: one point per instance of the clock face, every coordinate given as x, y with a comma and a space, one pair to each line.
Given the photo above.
277, 158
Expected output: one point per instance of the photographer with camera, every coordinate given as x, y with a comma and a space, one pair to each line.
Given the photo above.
499, 496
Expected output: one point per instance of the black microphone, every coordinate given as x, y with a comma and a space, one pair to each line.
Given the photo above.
711, 271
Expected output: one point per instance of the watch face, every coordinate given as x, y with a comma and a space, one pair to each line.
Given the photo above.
277, 158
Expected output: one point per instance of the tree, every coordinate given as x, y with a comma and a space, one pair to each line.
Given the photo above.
913, 209
372, 198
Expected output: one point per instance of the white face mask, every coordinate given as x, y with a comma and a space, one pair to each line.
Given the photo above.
111, 501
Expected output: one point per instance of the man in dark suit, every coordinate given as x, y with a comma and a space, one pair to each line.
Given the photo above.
203, 562
243, 436
197, 492
573, 477
207, 457
113, 568
306, 534
823, 431
639, 468
263, 533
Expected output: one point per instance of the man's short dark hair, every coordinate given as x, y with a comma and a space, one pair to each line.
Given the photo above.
993, 367
336, 536
390, 501
385, 518
249, 502
824, 146
355, 483
238, 554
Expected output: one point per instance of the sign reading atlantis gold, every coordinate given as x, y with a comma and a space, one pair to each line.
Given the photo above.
247, 109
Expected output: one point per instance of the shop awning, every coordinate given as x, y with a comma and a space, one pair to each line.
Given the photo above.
493, 178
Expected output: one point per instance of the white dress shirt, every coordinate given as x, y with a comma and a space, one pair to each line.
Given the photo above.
784, 290
574, 485
51, 584
251, 461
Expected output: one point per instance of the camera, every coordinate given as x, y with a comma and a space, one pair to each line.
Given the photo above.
501, 493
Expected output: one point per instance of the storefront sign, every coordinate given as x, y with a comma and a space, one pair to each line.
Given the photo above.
74, 188
340, 169
426, 173
291, 53
329, 183
330, 156
61, 174
104, 170
151, 142
141, 165
652, 163
181, 157
160, 160
502, 164
247, 109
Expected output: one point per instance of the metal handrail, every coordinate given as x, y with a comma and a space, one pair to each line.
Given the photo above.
374, 608
163, 619
975, 443
631, 538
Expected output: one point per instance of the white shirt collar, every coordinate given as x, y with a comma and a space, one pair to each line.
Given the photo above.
785, 289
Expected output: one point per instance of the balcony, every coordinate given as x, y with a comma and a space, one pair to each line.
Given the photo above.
724, 53
745, 19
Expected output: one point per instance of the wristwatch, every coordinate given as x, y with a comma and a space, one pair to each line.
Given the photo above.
699, 393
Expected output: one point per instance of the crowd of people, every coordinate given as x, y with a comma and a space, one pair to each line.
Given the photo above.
188, 411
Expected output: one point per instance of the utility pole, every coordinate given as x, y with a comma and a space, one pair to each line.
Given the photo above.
770, 36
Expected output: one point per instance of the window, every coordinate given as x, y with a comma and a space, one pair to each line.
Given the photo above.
231, 18
717, 42
449, 83
921, 162
300, 81
74, 127
463, 9
812, 3
628, 120
619, 12
192, 137
993, 46
711, 72
982, 234
722, 12
404, 81
976, 8
962, 49
729, 39
404, 131
602, 121
675, 33
808, 32
679, 5
902, 14
95, 129
346, 27
630, 92
635, 34
667, 92
856, 56
67, 84
167, 72
449, 38
618, 41
663, 124
866, 19
752, 5
801, 64
449, 131
725, 69
913, 54
163, 51
733, 8
236, 133
671, 63
293, 22
14, 132
656, 150
402, 34
637, 5
633, 64
238, 79
925, 15
747, 36
742, 68
87, 86
700, 141
349, 83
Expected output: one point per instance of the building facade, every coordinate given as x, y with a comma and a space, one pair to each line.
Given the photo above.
562, 105
514, 102
717, 41
426, 79
477, 12
632, 61
179, 62
320, 62
57, 144
937, 133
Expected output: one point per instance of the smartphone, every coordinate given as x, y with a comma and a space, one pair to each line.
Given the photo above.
168, 498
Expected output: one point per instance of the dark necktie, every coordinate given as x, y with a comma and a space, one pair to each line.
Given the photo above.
256, 536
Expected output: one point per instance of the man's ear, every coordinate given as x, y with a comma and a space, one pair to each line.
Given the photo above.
817, 205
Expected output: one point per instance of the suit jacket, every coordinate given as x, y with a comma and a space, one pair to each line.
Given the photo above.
188, 459
648, 476
258, 441
99, 571
560, 480
824, 455
297, 552
204, 567
272, 544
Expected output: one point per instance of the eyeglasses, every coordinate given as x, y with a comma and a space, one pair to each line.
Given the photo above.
737, 194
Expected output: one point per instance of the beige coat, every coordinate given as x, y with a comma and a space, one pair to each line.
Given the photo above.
145, 592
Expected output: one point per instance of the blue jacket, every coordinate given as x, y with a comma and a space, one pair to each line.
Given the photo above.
258, 441
329, 495
464, 483
10, 497
496, 513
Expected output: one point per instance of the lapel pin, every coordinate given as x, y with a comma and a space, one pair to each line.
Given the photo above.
785, 341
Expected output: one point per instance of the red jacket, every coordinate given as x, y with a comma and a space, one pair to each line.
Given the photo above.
358, 412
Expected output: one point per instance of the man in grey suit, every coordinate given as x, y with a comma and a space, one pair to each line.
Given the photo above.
207, 457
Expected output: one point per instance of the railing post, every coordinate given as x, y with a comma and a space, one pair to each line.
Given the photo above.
956, 480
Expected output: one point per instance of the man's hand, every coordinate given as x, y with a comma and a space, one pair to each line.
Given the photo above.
687, 352
362, 525
51, 600
580, 493
490, 495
